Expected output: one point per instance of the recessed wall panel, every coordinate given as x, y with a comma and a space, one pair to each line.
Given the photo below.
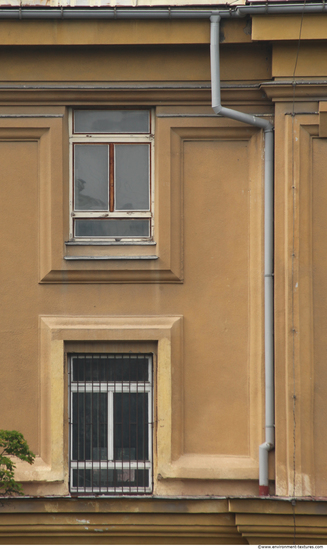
217, 199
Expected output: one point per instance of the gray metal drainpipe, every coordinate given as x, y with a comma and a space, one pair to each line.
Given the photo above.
269, 247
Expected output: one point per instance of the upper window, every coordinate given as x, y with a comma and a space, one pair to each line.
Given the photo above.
111, 175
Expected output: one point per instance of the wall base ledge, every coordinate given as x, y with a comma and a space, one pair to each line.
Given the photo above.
246, 520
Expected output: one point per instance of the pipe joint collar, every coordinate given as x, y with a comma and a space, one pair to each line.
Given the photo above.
217, 109
266, 446
215, 18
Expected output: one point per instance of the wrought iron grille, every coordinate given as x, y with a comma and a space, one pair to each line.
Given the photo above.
110, 417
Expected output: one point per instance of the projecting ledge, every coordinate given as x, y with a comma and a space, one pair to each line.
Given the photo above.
92, 258
211, 467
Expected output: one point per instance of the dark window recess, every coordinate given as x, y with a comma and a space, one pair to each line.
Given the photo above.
130, 426
110, 423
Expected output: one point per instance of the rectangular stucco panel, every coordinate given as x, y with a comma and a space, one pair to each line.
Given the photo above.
217, 231
319, 205
18, 274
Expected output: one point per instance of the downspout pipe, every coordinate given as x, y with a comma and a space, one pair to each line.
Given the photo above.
268, 243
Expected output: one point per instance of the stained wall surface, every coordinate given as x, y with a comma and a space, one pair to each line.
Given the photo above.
209, 225
198, 307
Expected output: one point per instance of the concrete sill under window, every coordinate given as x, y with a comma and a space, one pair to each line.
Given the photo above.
113, 243
111, 258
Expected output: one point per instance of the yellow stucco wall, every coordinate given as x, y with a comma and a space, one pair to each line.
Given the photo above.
215, 213
199, 307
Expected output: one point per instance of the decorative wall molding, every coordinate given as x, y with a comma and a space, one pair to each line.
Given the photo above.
54, 333
163, 521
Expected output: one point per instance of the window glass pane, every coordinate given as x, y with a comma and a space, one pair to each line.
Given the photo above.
93, 478
132, 478
99, 368
90, 426
112, 228
91, 177
131, 426
112, 122
132, 177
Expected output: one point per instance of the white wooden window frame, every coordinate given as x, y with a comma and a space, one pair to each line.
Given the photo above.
107, 138
110, 388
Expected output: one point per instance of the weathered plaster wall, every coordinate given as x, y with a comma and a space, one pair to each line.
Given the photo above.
209, 177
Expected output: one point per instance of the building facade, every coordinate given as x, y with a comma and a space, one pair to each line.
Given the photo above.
133, 239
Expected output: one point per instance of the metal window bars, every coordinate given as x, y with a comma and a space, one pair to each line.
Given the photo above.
110, 418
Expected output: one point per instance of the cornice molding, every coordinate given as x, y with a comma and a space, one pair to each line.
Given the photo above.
148, 93
311, 90
269, 520
281, 521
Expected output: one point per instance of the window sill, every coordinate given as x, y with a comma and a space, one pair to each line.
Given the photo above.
87, 258
108, 243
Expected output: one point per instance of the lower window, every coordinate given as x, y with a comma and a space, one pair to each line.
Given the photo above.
110, 423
